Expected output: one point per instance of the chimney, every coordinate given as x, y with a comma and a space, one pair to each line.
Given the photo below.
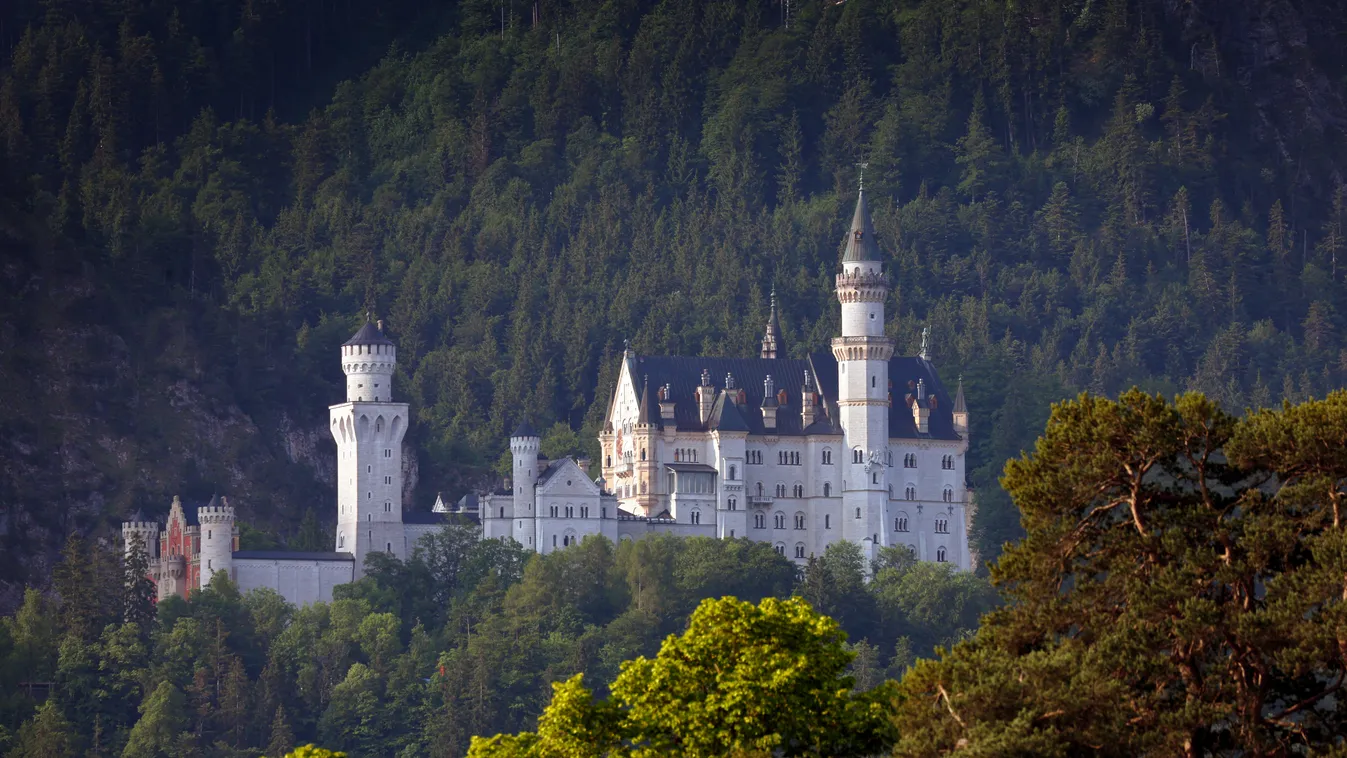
807, 401
921, 409
706, 396
666, 403
583, 463
769, 404
379, 325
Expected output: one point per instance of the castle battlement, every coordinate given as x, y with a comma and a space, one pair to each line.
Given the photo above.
215, 514
129, 527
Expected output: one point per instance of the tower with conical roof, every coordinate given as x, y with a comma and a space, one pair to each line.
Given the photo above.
863, 353
368, 428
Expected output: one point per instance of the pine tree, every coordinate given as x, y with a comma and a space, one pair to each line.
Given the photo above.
281, 739
138, 590
158, 732
977, 152
46, 735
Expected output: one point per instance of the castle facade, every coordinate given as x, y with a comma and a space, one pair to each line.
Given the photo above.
853, 444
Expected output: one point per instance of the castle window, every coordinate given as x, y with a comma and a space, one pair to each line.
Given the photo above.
779, 520
857, 456
733, 505
208, 532
949, 494
779, 548
502, 511
858, 513
734, 473
900, 524
554, 540
827, 489
731, 534
827, 457
759, 489
874, 478
940, 555
552, 511
610, 462
642, 453
369, 469
872, 381
570, 511
390, 545
827, 521
696, 516
799, 490
799, 521
910, 493
780, 490
388, 453
584, 511
799, 550
759, 521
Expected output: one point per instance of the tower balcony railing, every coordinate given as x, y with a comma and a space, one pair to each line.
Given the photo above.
761, 500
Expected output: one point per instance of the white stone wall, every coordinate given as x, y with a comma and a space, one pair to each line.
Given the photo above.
369, 478
577, 504
414, 532
299, 581
217, 541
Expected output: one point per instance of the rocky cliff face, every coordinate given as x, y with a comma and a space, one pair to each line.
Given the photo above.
108, 412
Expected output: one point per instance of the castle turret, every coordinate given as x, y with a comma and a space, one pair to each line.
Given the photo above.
369, 428
524, 444
368, 359
706, 396
808, 401
863, 353
216, 521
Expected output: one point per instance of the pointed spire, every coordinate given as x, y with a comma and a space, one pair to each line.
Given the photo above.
772, 344
960, 406
860, 240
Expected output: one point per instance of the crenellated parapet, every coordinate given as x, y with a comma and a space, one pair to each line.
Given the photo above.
860, 286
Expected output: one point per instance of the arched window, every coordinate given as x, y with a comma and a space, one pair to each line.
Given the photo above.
733, 505
910, 493
696, 516
857, 456
780, 548
949, 494
827, 457
858, 513
780, 490
799, 521
874, 478
734, 472
799, 490
570, 511
779, 520
940, 555
799, 550
827, 489
827, 521
643, 487
759, 521
610, 461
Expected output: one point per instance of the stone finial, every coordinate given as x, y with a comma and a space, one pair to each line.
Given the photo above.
926, 343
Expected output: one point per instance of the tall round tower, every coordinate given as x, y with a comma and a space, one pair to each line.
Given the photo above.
524, 444
863, 354
369, 428
217, 539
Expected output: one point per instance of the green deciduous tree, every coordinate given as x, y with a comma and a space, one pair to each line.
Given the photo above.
741, 680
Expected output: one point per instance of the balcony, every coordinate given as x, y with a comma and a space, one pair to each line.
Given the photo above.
761, 501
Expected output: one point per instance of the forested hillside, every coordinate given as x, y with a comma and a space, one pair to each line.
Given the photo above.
200, 201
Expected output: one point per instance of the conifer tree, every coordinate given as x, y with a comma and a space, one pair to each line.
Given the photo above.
158, 733
138, 590
46, 735
281, 739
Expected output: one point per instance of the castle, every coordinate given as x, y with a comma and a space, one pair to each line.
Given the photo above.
852, 444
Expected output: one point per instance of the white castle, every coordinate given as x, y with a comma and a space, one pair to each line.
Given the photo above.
853, 444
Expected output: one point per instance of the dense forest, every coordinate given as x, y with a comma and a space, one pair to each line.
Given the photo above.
463, 639
201, 200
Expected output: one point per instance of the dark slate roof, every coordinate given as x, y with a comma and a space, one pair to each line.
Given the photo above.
369, 334
864, 247
684, 374
292, 555
424, 517
525, 429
